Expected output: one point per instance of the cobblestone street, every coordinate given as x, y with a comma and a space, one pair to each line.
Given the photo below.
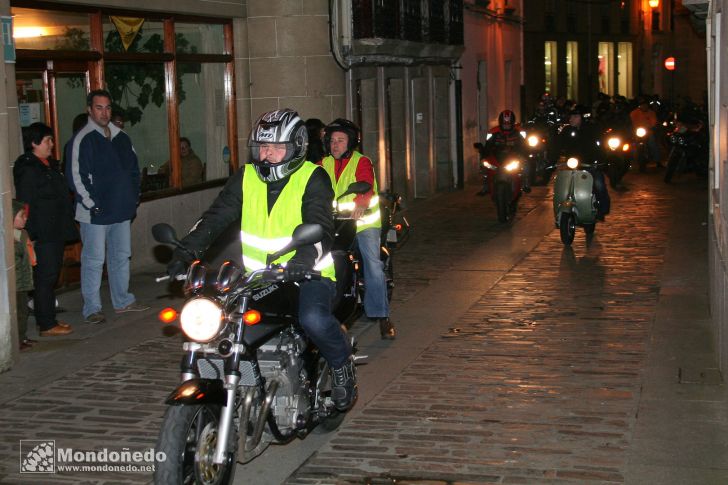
547, 378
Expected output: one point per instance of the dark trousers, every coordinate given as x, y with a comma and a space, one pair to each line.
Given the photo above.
21, 302
600, 191
45, 276
316, 319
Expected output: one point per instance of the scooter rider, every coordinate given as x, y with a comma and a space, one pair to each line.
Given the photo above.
503, 140
580, 139
272, 195
345, 165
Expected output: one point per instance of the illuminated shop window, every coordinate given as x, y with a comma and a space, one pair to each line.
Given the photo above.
572, 70
550, 66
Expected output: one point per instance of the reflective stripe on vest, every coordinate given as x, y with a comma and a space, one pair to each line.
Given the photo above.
262, 233
348, 176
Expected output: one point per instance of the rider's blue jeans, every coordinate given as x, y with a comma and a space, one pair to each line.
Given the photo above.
316, 319
376, 304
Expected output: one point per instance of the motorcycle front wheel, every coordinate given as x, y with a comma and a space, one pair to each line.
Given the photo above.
188, 437
673, 161
502, 201
567, 227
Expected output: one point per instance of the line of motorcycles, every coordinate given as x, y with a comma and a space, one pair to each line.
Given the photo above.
249, 374
574, 203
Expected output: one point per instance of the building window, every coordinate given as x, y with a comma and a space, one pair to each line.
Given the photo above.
137, 59
624, 69
572, 70
606, 67
550, 61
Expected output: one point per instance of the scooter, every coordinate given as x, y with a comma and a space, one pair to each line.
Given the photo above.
502, 175
574, 201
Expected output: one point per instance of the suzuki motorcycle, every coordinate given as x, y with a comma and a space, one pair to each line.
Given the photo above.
616, 154
503, 176
574, 201
249, 376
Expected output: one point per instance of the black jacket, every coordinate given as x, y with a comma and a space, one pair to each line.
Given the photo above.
44, 189
227, 208
580, 142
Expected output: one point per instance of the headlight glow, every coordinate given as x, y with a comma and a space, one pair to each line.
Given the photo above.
201, 319
614, 142
487, 164
640, 132
512, 165
572, 162
625, 147
533, 141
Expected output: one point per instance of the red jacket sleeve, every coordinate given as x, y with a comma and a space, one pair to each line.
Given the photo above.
364, 173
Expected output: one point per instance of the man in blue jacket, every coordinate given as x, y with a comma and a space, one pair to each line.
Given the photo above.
103, 172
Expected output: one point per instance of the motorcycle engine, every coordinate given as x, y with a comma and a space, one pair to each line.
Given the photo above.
281, 359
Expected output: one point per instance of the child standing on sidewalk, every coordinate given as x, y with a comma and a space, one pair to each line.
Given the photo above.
24, 262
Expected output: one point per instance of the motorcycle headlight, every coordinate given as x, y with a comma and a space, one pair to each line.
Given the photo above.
512, 165
533, 141
625, 147
201, 319
640, 132
487, 164
614, 143
572, 162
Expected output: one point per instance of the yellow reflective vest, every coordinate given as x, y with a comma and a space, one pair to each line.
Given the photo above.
262, 233
372, 218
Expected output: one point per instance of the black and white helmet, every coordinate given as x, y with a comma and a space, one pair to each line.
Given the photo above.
279, 126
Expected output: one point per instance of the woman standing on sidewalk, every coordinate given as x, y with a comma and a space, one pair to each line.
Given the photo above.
40, 184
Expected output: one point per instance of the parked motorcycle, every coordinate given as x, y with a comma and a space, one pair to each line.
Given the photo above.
616, 152
249, 376
574, 201
503, 175
689, 150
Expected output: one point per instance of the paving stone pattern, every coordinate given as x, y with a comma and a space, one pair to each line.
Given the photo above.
538, 383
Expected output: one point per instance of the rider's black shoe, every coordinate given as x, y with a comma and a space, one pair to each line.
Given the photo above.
527, 189
386, 329
600, 217
481, 193
344, 390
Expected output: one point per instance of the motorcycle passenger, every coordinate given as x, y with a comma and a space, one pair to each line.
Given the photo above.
644, 116
579, 139
345, 166
272, 195
503, 140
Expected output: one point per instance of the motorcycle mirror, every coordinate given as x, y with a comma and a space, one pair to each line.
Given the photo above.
165, 233
356, 188
303, 235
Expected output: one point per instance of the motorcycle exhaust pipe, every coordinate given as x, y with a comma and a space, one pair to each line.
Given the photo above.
264, 410
244, 418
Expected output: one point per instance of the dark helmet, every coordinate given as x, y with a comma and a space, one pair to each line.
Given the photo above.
279, 126
507, 120
344, 126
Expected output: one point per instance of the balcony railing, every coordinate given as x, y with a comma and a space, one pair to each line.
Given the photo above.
434, 21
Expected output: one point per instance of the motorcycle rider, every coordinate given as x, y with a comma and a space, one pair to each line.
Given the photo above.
503, 140
579, 139
644, 116
271, 196
345, 165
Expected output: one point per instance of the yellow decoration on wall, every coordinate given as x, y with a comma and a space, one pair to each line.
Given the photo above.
128, 27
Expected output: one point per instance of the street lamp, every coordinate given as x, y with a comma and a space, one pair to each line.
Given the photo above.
653, 3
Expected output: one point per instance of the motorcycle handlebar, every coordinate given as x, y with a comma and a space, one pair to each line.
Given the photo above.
179, 277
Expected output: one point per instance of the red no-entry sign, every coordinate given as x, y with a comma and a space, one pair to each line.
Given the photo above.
670, 63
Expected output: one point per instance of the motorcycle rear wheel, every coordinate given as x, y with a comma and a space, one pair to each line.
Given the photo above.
188, 436
567, 228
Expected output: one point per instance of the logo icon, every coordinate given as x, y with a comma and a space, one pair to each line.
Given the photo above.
37, 456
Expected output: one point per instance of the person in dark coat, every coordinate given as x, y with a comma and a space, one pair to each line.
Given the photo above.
40, 184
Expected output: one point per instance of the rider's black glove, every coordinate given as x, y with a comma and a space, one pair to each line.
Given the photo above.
176, 268
295, 271
179, 263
